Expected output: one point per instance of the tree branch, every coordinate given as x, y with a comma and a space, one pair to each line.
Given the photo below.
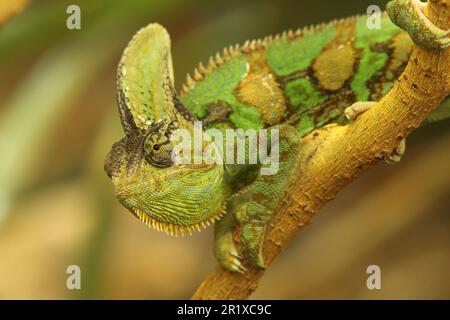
333, 156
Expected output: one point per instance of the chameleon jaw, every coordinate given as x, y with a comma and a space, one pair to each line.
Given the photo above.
173, 229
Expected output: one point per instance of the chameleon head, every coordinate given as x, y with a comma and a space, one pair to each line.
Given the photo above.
167, 196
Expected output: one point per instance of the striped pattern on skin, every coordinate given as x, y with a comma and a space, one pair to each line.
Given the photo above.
330, 67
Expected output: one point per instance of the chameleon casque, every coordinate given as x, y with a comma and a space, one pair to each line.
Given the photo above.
294, 82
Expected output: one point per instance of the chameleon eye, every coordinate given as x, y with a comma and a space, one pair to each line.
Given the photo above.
158, 150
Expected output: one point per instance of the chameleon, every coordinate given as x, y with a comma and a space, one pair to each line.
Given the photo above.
291, 83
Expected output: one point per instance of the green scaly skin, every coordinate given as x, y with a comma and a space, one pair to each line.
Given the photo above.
294, 82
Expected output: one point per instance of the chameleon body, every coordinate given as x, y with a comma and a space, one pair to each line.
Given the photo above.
293, 82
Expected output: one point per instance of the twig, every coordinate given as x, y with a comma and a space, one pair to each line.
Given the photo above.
333, 156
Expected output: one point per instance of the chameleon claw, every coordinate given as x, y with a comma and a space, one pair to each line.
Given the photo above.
238, 267
236, 255
357, 109
444, 42
397, 153
232, 262
226, 253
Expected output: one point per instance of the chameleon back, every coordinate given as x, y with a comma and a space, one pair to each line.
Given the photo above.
305, 78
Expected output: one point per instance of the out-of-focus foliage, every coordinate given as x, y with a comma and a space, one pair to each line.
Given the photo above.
58, 119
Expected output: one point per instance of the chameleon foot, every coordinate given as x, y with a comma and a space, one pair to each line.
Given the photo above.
251, 234
226, 253
408, 15
397, 153
224, 248
357, 109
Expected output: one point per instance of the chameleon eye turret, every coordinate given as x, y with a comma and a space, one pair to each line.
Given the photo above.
158, 150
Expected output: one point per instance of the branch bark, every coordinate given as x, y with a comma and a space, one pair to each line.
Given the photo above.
333, 156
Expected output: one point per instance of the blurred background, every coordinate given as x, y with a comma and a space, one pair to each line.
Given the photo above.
58, 119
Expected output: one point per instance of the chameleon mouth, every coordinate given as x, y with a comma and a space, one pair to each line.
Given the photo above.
173, 229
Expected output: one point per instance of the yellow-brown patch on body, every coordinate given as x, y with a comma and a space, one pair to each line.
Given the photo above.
335, 64
260, 89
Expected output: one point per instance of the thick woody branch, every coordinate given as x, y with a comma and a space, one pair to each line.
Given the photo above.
334, 156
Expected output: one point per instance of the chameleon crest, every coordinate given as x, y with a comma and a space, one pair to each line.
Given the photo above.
167, 196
